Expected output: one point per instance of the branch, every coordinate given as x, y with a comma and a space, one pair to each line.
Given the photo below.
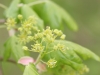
9, 60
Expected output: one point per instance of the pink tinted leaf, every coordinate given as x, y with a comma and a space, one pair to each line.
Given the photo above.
25, 60
41, 67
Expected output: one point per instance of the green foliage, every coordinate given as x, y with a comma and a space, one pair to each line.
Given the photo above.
13, 9
60, 55
26, 11
30, 70
54, 15
69, 20
27, 1
14, 47
71, 57
73, 51
7, 51
81, 51
49, 13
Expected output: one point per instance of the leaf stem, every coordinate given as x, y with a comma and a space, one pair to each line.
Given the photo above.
3, 6
39, 58
37, 2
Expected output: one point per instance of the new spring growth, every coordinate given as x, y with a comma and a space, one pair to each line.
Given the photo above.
37, 47
60, 47
29, 32
51, 63
25, 48
26, 29
58, 32
63, 36
84, 69
20, 17
11, 23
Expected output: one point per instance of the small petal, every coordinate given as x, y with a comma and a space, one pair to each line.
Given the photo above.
41, 67
26, 60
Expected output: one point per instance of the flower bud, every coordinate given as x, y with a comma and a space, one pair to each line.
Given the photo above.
63, 37
25, 48
20, 17
51, 63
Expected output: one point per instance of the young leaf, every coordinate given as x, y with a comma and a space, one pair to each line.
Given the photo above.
49, 12
12, 46
28, 1
26, 60
68, 53
26, 11
17, 48
69, 57
62, 69
71, 24
54, 15
81, 51
30, 70
68, 61
7, 51
12, 11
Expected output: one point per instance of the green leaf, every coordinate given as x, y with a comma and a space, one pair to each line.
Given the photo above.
72, 54
14, 47
69, 57
62, 69
26, 11
7, 51
54, 15
28, 1
49, 12
30, 70
68, 61
71, 24
17, 48
81, 51
13, 9
62, 59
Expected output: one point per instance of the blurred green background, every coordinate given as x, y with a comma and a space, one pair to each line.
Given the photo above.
87, 15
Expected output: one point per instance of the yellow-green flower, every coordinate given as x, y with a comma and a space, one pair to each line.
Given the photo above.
51, 63
20, 17
11, 23
25, 48
60, 47
57, 32
37, 47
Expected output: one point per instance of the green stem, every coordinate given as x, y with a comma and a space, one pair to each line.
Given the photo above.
39, 58
3, 6
50, 52
40, 55
37, 2
43, 62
